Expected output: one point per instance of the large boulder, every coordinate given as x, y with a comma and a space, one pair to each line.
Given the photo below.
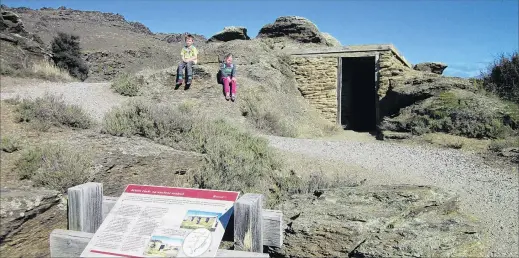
19, 205
413, 86
19, 47
379, 221
458, 112
294, 27
230, 33
330, 40
11, 22
433, 67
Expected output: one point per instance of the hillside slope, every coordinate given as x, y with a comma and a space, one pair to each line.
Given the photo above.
110, 43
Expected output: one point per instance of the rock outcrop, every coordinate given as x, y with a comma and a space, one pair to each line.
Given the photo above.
19, 47
19, 205
433, 67
179, 37
294, 27
331, 41
230, 33
379, 221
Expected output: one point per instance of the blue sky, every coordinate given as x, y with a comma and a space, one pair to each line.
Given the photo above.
465, 34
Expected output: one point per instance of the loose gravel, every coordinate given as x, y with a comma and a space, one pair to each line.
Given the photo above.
95, 98
490, 193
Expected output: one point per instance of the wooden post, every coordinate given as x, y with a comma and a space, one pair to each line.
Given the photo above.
85, 207
248, 223
273, 228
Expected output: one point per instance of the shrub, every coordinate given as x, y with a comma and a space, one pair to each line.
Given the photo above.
500, 144
127, 84
235, 159
51, 111
11, 144
55, 166
67, 55
502, 77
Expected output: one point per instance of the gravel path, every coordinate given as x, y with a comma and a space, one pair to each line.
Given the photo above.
95, 98
490, 193
487, 192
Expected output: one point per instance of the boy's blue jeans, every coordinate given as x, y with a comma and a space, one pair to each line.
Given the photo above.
181, 66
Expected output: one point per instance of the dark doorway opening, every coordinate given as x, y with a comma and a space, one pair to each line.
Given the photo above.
358, 94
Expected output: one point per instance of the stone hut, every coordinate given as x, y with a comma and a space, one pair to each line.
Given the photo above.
347, 83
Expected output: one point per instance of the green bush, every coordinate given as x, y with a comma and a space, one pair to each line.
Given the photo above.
127, 84
66, 54
502, 77
11, 144
55, 166
50, 111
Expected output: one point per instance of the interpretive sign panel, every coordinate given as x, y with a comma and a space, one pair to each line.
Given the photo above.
158, 221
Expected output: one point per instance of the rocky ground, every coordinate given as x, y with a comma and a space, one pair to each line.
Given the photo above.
483, 188
487, 191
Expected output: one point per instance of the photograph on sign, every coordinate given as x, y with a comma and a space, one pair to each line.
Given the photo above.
159, 221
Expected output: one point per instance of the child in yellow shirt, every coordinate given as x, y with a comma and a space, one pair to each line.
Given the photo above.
189, 55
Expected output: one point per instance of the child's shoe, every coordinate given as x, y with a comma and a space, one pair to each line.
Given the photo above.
227, 97
233, 97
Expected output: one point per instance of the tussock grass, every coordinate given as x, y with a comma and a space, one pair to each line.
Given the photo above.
234, 158
49, 111
40, 70
55, 166
127, 84
49, 71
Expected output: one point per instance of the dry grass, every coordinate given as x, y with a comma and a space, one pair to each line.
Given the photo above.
48, 111
55, 166
456, 142
40, 70
49, 71
283, 114
500, 144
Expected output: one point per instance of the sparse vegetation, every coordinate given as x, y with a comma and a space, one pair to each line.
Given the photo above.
500, 144
235, 159
11, 144
502, 77
55, 166
459, 113
127, 84
67, 55
50, 111
265, 118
